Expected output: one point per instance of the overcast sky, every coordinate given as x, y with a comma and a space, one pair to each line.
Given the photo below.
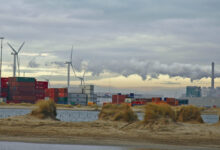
120, 43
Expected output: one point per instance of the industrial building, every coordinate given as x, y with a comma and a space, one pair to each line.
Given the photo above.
193, 91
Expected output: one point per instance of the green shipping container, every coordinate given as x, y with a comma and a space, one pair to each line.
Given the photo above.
25, 79
62, 98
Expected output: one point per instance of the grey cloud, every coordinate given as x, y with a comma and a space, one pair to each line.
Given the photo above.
153, 69
105, 32
58, 64
33, 63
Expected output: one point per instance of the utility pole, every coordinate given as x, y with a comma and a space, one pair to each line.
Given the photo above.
1, 38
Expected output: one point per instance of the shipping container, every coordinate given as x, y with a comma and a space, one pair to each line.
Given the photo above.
156, 99
62, 90
118, 99
21, 79
76, 95
75, 90
41, 85
21, 84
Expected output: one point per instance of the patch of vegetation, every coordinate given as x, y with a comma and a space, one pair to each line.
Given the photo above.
114, 112
158, 112
45, 109
189, 114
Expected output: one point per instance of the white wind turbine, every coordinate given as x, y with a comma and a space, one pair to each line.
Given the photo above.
69, 63
16, 60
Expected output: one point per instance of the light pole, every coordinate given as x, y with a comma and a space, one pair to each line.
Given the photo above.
1, 38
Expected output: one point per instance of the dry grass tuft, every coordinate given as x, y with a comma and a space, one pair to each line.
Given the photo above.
114, 112
158, 112
189, 114
45, 109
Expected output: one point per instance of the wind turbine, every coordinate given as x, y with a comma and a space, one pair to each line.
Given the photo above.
15, 53
69, 63
82, 78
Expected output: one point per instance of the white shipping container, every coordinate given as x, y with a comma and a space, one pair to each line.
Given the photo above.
77, 99
76, 95
75, 90
88, 91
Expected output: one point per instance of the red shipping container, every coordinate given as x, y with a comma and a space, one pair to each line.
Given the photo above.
28, 98
156, 99
3, 94
118, 99
170, 100
4, 85
21, 84
63, 95
4, 80
62, 90
26, 89
41, 85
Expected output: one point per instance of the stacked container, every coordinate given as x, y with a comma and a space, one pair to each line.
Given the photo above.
141, 101
77, 99
156, 99
118, 99
171, 101
183, 101
52, 93
21, 89
40, 87
62, 96
4, 87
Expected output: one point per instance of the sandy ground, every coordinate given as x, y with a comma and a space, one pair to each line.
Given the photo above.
29, 129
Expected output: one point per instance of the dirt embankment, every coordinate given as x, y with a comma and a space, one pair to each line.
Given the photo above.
29, 128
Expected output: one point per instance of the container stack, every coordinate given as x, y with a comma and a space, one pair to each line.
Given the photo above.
171, 101
183, 101
89, 91
118, 99
77, 99
4, 88
52, 93
62, 96
156, 99
21, 89
40, 87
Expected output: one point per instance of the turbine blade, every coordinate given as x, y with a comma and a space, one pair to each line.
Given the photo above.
73, 70
11, 47
84, 74
21, 47
71, 56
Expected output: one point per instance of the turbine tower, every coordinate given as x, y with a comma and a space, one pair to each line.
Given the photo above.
15, 53
69, 63
82, 81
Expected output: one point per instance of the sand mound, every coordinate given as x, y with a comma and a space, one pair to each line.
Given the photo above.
155, 113
45, 109
117, 113
189, 114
